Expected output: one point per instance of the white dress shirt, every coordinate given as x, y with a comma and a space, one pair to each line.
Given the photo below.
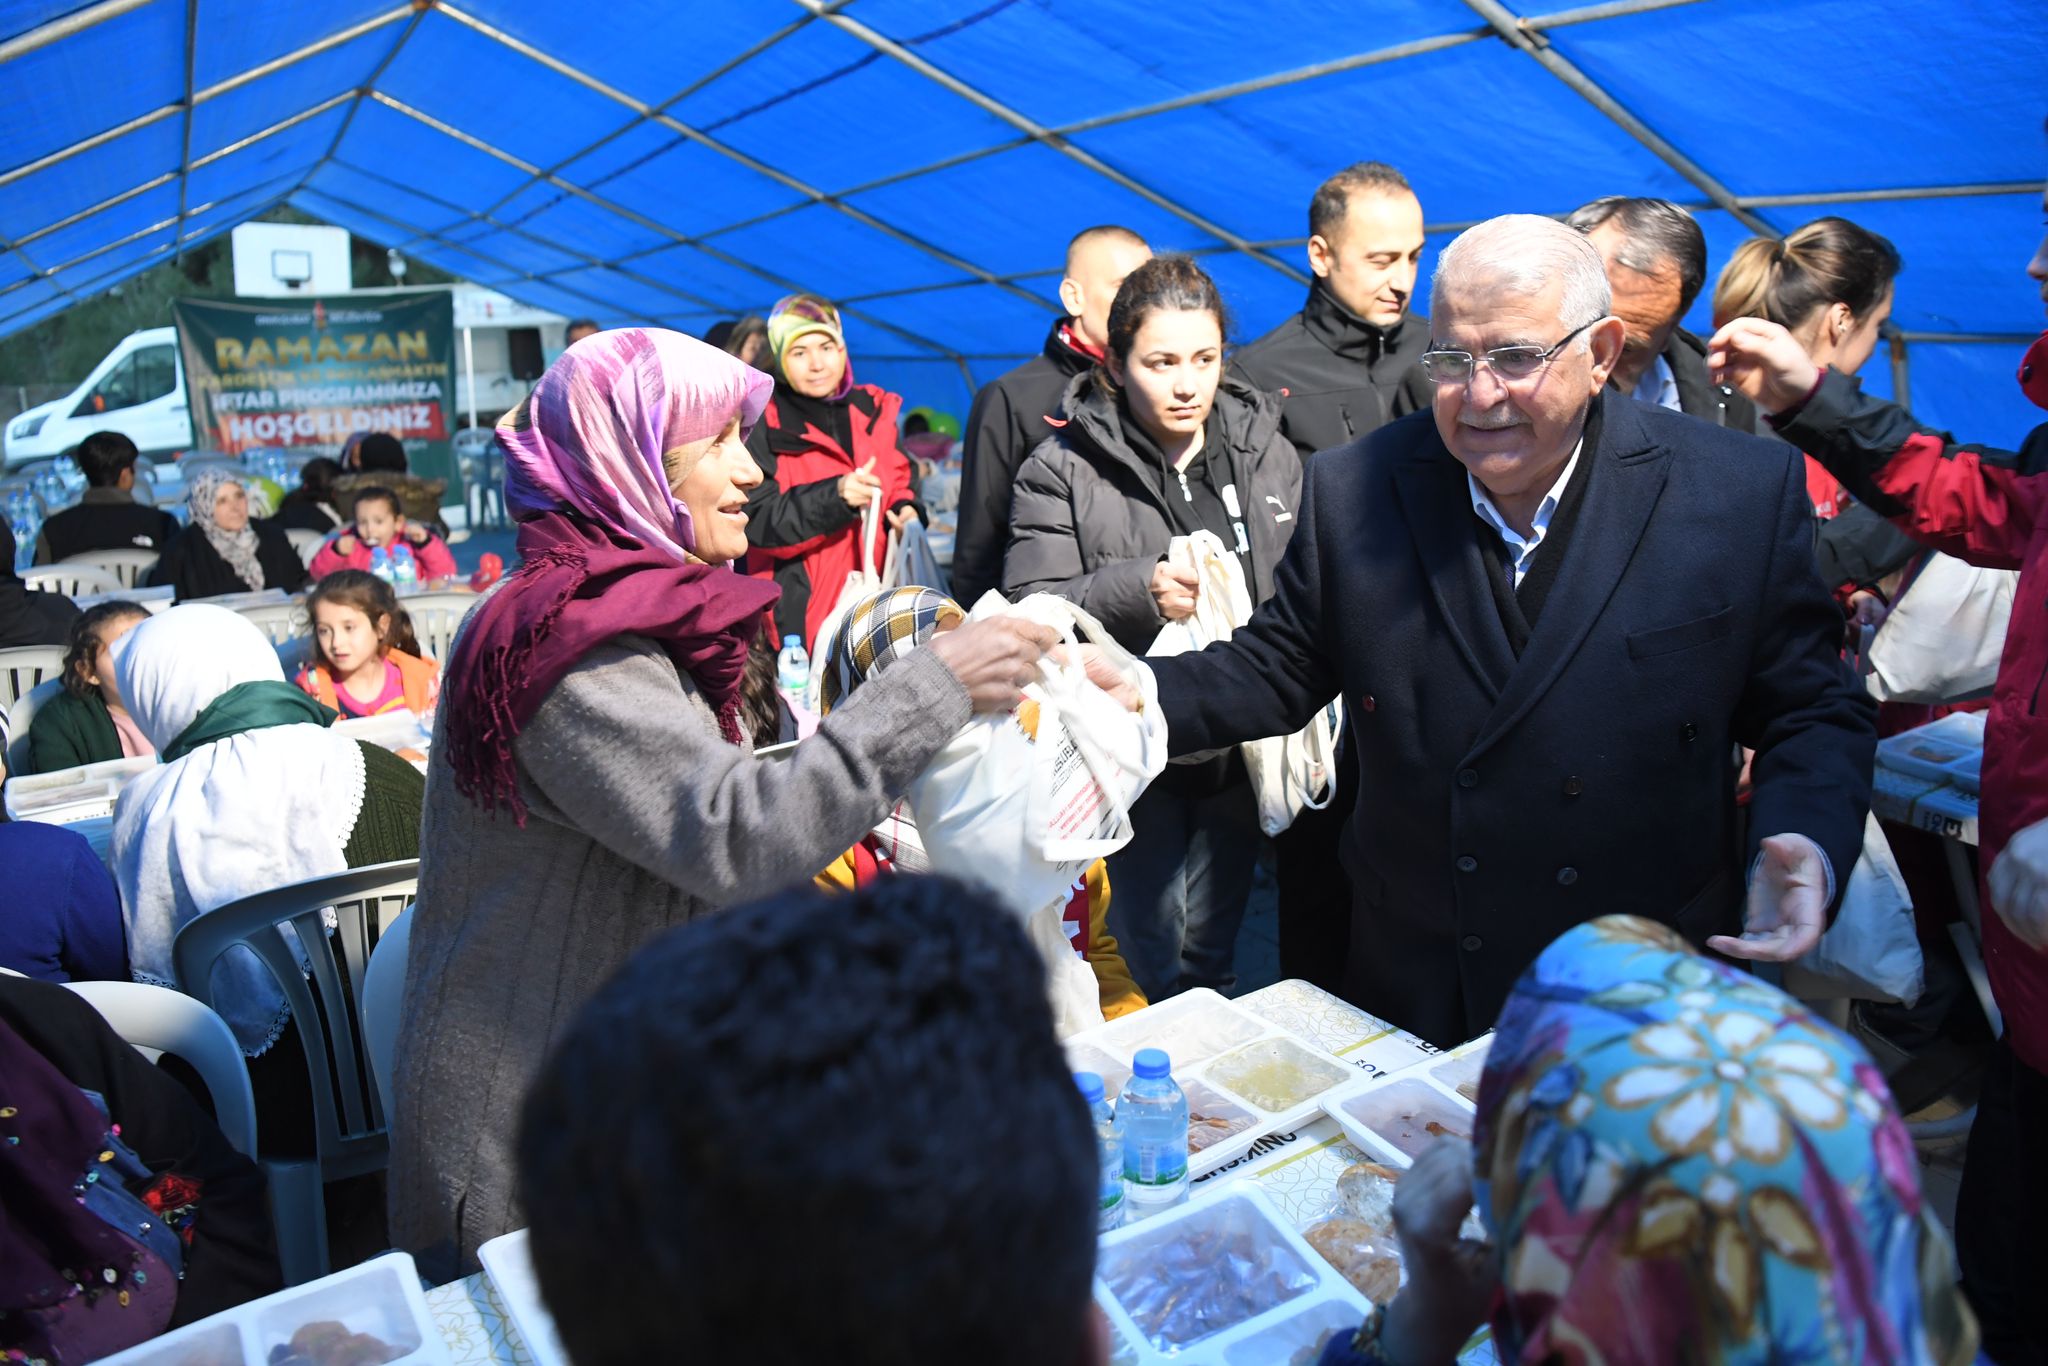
1658, 385
1521, 549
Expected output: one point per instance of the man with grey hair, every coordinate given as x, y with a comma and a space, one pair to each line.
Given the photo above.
1656, 258
1552, 614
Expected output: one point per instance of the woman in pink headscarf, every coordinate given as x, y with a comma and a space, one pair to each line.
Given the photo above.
590, 783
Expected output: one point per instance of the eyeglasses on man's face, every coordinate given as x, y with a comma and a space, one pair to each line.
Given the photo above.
1441, 366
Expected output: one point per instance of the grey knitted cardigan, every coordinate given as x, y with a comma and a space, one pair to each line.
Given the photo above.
640, 816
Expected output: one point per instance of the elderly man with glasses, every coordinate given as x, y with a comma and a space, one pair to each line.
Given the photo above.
1552, 613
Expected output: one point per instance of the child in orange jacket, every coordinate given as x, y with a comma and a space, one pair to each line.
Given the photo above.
368, 662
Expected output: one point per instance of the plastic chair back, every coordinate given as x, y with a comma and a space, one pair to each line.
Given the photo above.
348, 1114
72, 580
19, 716
129, 566
166, 1021
280, 621
435, 617
22, 667
307, 543
383, 998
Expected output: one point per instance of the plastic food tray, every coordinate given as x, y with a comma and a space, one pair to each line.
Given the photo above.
381, 1297
1931, 751
1217, 1049
1412, 1088
393, 731
72, 794
1315, 1296
510, 1267
1462, 1066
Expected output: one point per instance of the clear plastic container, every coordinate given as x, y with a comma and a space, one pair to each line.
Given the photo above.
1405, 1116
1298, 1339
1205, 1270
1277, 1074
1191, 1028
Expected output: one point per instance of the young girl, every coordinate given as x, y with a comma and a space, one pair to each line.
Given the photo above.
381, 525
86, 723
368, 659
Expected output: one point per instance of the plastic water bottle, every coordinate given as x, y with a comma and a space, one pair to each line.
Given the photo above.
1109, 1152
405, 570
380, 563
1154, 1112
793, 669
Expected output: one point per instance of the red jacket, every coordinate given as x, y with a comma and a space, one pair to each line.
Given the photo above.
1977, 505
433, 558
812, 571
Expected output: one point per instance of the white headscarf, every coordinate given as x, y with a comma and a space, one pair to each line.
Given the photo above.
242, 815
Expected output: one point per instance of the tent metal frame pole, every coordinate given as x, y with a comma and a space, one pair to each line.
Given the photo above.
1902, 376
158, 226
1777, 201
365, 90
724, 68
509, 159
1973, 338
220, 153
144, 188
648, 112
1512, 28
894, 50
185, 148
61, 28
1587, 14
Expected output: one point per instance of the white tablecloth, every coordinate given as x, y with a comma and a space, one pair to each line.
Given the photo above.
1299, 1170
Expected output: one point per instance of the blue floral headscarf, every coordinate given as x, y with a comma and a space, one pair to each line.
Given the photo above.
1679, 1163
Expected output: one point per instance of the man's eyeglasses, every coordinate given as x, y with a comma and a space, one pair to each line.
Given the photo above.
1508, 362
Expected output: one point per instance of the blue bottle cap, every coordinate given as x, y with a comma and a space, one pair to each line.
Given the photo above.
1091, 1086
792, 642
1152, 1064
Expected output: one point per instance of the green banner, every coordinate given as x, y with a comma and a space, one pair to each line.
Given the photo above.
310, 373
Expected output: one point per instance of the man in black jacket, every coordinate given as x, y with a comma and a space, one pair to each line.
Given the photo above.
107, 516
1551, 614
1345, 364
1656, 260
1009, 415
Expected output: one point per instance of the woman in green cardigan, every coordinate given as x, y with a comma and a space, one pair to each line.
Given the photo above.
87, 722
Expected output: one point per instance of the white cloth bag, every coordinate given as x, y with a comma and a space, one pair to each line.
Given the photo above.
1871, 952
1025, 801
1288, 772
862, 583
1942, 641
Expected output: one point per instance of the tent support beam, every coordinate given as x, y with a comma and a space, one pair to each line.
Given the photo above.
645, 111
59, 29
185, 148
1902, 376
1587, 14
722, 69
888, 47
144, 188
365, 90
1510, 26
480, 145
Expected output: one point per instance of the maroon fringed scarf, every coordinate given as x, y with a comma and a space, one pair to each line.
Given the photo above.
580, 586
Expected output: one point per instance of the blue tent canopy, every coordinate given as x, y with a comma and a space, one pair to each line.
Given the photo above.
923, 163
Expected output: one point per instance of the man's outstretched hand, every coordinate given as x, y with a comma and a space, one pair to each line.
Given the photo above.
1788, 903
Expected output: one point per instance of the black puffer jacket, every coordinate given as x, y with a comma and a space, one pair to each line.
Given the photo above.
1091, 518
1338, 375
1007, 422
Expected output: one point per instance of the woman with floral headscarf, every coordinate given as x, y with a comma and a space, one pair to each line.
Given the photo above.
1676, 1163
827, 447
591, 783
222, 550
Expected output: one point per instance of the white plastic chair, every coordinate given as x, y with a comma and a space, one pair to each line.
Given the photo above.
18, 718
383, 995
72, 580
435, 617
24, 666
129, 566
159, 1020
307, 543
280, 621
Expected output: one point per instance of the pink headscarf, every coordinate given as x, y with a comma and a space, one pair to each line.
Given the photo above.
605, 549
591, 435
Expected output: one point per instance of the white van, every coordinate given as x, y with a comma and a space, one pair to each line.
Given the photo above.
139, 390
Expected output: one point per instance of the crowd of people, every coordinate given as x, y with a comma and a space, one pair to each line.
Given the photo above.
1557, 557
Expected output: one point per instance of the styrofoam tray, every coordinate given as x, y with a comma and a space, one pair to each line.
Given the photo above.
1215, 1047
1417, 1093
1304, 1281
380, 1297
1931, 751
510, 1267
84, 793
